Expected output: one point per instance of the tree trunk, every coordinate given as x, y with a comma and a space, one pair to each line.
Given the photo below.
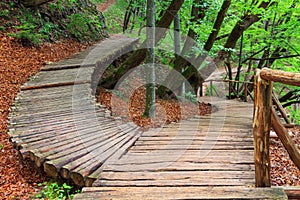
139, 55
181, 63
217, 25
242, 25
206, 71
150, 68
177, 40
197, 15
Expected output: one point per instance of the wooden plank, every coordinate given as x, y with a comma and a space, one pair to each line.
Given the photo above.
191, 181
54, 84
63, 99
48, 98
178, 175
78, 175
202, 130
90, 179
67, 140
28, 94
197, 138
67, 117
54, 67
178, 166
98, 140
65, 131
57, 161
151, 193
70, 144
199, 158
207, 146
54, 114
193, 142
60, 77
293, 193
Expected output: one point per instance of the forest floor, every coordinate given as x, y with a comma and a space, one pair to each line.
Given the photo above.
19, 179
105, 5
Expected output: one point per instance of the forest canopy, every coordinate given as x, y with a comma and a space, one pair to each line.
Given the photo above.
238, 35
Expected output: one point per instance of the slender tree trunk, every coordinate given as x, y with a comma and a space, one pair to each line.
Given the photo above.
177, 39
197, 15
191, 72
181, 62
139, 55
217, 25
150, 68
242, 25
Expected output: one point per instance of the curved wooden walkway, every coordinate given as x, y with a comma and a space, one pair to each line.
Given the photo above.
56, 122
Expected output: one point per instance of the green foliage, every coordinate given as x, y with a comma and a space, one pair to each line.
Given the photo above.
188, 97
278, 28
4, 13
96, 1
53, 190
211, 90
27, 30
27, 37
54, 20
294, 109
78, 25
1, 146
2, 28
114, 16
294, 114
192, 97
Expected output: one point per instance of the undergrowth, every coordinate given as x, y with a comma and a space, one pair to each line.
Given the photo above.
114, 16
50, 22
56, 190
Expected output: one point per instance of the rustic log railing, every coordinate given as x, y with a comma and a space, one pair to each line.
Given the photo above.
264, 117
245, 90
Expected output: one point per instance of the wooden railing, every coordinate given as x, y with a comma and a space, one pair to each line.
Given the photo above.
264, 117
245, 90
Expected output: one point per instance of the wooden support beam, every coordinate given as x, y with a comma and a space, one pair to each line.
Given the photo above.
280, 108
286, 139
261, 130
281, 76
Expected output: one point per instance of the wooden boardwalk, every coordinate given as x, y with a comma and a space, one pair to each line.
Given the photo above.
57, 123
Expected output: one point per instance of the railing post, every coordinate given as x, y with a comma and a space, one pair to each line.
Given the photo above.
245, 91
211, 88
261, 130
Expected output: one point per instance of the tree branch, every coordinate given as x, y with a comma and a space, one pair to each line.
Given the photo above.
290, 103
274, 58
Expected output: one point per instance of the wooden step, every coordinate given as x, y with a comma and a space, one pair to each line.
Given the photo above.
158, 193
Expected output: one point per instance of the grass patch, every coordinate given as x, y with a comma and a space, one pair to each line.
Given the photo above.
56, 190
